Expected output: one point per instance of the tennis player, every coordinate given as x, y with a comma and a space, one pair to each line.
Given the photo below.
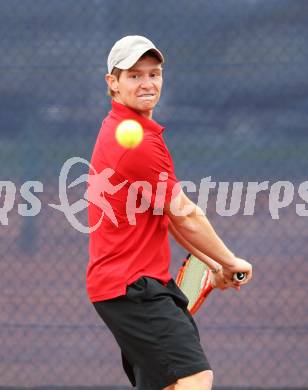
128, 278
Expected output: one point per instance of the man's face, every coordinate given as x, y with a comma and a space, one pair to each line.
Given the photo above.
139, 87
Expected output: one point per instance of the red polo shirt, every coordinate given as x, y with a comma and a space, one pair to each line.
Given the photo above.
126, 194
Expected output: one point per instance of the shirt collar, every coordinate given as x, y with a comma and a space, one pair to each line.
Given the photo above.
125, 112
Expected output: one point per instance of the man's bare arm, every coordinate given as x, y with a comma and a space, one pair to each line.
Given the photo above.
217, 277
213, 265
192, 224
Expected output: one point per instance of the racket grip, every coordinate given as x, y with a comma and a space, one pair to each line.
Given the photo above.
239, 276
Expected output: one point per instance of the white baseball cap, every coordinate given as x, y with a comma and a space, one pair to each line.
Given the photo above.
127, 51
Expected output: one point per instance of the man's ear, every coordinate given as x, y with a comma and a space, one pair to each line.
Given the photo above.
112, 82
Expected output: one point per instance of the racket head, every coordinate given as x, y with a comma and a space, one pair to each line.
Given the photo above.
194, 279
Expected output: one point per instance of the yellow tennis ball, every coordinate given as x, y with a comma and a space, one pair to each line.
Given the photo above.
129, 133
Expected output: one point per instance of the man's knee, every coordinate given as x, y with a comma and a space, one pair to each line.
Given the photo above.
201, 381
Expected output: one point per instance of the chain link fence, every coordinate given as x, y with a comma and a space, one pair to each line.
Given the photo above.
236, 111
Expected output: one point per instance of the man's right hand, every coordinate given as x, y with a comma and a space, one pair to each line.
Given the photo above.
239, 265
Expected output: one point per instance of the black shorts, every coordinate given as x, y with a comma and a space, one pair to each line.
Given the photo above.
157, 335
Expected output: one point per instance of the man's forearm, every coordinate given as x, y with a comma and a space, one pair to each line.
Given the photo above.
190, 221
197, 230
213, 265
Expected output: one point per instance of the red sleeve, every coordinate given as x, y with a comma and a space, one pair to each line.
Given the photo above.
151, 162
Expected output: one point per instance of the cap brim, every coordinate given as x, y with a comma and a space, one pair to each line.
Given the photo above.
132, 59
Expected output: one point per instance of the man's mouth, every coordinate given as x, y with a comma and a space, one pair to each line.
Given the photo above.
146, 96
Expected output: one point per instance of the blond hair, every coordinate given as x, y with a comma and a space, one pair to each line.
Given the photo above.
115, 72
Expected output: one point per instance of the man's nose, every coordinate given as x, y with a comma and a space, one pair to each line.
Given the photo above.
146, 82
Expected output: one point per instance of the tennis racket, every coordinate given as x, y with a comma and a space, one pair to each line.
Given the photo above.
195, 280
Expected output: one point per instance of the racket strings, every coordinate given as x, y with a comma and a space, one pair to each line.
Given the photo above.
194, 279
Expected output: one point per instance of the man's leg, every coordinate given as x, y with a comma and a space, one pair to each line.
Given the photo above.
200, 381
171, 387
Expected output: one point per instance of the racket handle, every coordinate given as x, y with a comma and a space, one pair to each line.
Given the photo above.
239, 276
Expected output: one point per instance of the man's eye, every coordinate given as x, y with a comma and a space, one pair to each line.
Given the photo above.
134, 76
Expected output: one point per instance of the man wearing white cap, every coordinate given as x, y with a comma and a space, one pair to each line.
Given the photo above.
128, 278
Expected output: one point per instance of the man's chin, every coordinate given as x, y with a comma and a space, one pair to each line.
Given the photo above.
146, 106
